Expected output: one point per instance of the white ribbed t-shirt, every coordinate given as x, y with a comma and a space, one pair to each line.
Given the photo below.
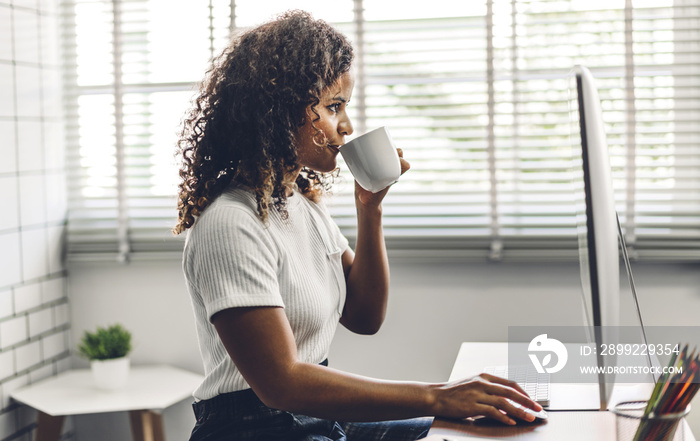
231, 259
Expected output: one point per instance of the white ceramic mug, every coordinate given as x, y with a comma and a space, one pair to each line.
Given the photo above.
373, 160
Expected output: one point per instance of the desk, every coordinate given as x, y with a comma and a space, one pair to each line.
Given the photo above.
570, 426
149, 390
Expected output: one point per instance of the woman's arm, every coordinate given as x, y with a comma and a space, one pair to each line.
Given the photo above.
367, 269
261, 344
366, 276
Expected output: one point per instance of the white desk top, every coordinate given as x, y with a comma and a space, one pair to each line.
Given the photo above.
572, 426
73, 392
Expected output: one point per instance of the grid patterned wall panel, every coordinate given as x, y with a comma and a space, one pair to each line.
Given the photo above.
34, 314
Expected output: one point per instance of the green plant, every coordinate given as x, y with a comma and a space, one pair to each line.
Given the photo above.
105, 343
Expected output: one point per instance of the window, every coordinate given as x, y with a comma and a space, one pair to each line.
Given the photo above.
475, 93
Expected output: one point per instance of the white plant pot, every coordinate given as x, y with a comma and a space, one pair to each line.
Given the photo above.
110, 374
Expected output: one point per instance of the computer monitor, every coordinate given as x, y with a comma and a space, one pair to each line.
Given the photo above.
599, 272
598, 226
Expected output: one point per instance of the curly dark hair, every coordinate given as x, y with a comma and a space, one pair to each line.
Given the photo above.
250, 106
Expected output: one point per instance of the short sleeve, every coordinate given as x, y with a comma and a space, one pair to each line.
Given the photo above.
233, 261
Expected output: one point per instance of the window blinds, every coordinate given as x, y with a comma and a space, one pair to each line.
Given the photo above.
131, 68
475, 94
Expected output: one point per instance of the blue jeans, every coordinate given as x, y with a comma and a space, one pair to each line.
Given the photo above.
241, 416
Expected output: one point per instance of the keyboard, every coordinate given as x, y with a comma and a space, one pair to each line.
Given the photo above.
534, 384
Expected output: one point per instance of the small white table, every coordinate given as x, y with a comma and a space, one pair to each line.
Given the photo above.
150, 389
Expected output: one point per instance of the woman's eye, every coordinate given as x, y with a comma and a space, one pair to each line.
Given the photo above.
334, 107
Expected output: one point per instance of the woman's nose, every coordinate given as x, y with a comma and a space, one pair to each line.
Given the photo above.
345, 127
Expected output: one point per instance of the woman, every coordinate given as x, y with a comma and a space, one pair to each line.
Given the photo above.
270, 274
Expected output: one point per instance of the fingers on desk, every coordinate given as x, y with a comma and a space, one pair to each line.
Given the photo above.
503, 381
505, 399
499, 404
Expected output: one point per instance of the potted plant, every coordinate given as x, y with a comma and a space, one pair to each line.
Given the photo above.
107, 349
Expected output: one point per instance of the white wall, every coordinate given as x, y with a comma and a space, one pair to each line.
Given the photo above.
432, 309
33, 302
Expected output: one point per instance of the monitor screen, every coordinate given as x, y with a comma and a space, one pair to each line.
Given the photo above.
598, 236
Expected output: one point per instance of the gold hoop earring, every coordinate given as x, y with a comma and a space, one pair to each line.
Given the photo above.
323, 137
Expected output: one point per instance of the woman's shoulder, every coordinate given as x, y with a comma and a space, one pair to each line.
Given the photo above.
237, 196
234, 206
